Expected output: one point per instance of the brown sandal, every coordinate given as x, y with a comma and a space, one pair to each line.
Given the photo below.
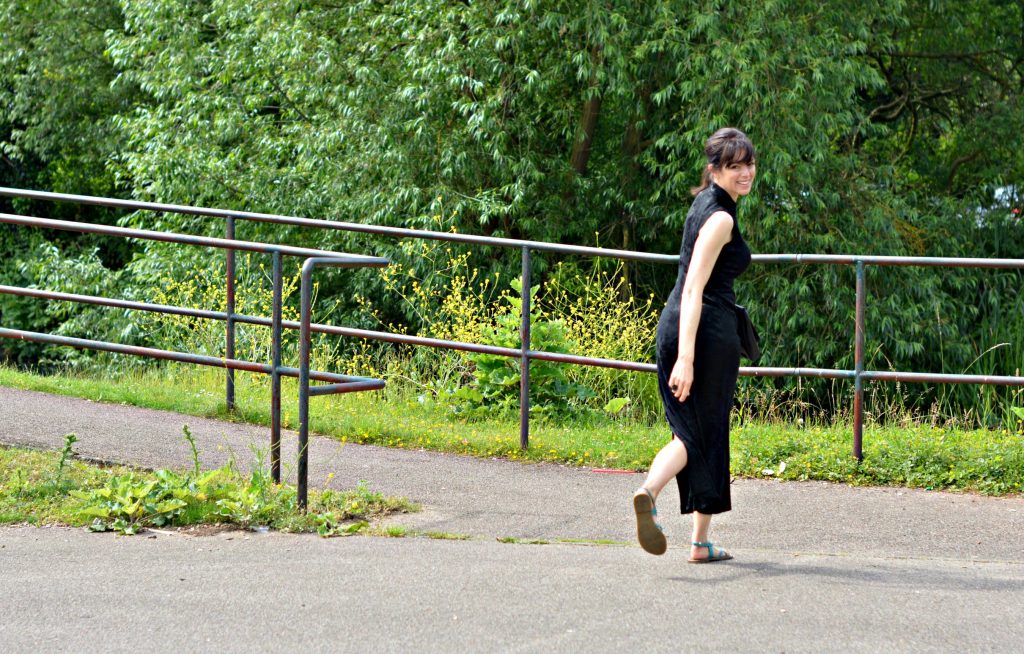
648, 531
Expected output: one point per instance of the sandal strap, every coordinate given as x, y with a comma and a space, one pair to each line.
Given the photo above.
709, 545
654, 509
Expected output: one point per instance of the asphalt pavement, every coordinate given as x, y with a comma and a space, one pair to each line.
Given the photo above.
819, 567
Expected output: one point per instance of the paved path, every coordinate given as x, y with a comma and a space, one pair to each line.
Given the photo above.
819, 566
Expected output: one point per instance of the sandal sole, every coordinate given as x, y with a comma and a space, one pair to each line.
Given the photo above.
727, 557
651, 539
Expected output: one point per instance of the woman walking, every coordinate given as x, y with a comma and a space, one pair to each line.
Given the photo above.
698, 352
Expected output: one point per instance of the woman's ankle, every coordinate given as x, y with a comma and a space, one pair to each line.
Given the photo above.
650, 491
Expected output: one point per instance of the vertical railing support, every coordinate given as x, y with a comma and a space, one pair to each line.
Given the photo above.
306, 299
524, 360
229, 338
858, 358
275, 375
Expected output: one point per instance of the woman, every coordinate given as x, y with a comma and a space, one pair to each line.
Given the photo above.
699, 352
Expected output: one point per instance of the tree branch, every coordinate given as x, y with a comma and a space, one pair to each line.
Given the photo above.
277, 87
934, 55
958, 162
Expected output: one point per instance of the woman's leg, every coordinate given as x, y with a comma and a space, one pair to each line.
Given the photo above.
666, 465
701, 523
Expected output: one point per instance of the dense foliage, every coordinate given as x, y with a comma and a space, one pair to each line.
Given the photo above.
883, 128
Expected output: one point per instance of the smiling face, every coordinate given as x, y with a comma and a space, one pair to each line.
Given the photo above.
731, 162
736, 177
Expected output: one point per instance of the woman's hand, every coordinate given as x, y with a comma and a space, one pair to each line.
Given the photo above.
681, 379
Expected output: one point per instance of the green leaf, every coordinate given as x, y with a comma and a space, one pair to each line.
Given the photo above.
617, 404
95, 511
99, 526
168, 506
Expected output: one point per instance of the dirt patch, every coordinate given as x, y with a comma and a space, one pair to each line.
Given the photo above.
200, 531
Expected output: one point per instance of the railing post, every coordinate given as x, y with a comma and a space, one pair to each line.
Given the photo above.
275, 375
524, 360
858, 365
229, 339
304, 332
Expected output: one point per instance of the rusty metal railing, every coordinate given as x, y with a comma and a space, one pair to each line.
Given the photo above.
525, 354
336, 383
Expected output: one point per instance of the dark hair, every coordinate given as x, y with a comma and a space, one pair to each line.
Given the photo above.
727, 145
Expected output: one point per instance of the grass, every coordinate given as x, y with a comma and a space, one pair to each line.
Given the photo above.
915, 455
30, 491
446, 535
44, 488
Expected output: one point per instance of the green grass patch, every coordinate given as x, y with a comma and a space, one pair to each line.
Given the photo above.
592, 541
30, 491
445, 535
41, 487
919, 456
916, 456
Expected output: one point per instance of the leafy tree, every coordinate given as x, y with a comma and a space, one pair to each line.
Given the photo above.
882, 128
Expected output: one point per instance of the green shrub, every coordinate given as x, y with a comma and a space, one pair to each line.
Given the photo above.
496, 379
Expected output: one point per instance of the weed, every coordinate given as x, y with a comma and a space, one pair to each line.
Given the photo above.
66, 453
393, 531
195, 449
129, 501
329, 524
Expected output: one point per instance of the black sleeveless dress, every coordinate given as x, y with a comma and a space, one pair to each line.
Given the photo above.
702, 420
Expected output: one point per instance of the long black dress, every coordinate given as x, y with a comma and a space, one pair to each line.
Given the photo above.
702, 420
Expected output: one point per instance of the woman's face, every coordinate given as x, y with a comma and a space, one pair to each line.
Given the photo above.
735, 178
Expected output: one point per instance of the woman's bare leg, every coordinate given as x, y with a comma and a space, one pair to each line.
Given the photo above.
669, 461
666, 465
701, 523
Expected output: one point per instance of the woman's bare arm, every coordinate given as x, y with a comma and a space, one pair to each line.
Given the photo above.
716, 232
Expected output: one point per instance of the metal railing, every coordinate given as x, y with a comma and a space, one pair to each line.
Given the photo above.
336, 383
525, 354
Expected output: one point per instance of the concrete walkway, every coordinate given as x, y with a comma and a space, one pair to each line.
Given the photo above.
819, 566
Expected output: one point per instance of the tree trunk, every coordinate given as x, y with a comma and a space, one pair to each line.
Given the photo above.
630, 150
588, 122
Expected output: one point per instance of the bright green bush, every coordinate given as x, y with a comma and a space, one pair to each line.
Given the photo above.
495, 383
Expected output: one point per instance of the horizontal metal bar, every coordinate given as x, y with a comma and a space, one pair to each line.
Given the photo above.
350, 387
325, 376
330, 260
556, 357
168, 355
118, 304
938, 378
380, 230
348, 380
351, 260
851, 259
826, 373
399, 232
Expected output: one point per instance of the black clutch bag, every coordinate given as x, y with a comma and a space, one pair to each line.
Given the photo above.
750, 342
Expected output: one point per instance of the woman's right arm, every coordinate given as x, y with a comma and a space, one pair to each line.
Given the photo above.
716, 232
